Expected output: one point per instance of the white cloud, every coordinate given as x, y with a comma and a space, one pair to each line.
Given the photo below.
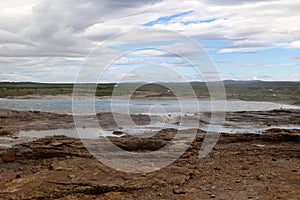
243, 64
43, 30
295, 44
71, 28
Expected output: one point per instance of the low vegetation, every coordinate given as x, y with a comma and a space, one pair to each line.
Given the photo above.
243, 90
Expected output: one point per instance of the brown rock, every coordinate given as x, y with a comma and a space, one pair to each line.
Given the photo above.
260, 177
9, 156
179, 190
117, 132
4, 132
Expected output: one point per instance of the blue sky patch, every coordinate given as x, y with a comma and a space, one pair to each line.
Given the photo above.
165, 19
200, 21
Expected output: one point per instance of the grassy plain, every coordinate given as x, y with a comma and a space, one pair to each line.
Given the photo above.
243, 90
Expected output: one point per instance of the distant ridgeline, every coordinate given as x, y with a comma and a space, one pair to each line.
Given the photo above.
243, 90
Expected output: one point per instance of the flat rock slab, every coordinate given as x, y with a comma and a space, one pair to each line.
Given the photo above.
240, 166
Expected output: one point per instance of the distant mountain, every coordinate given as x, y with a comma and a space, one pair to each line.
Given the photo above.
239, 81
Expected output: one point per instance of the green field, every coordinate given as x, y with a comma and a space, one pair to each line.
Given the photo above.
22, 89
243, 90
264, 91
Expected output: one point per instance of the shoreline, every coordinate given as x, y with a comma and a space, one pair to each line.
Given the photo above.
142, 98
16, 120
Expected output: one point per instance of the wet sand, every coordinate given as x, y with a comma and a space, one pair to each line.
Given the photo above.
241, 166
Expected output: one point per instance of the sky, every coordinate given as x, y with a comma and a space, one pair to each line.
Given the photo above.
51, 40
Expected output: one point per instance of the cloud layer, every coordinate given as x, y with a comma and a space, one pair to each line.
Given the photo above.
38, 30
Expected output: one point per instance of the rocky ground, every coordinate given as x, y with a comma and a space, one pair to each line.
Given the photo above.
241, 166
12, 121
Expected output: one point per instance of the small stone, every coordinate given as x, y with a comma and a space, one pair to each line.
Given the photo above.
273, 174
294, 170
9, 156
212, 196
18, 176
179, 190
274, 159
260, 177
244, 168
4, 132
71, 176
213, 187
117, 132
56, 144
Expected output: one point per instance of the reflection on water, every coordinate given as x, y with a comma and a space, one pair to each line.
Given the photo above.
94, 133
234, 130
85, 133
139, 106
149, 130
136, 107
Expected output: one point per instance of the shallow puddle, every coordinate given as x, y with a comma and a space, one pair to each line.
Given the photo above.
233, 130
95, 133
83, 133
